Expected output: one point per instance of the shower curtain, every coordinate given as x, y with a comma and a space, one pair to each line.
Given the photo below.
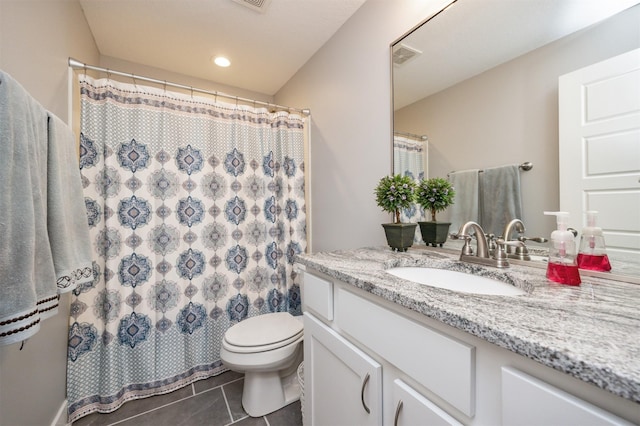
196, 210
409, 159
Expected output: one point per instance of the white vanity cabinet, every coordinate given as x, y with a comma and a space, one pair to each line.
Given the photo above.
527, 400
413, 408
363, 352
349, 378
343, 385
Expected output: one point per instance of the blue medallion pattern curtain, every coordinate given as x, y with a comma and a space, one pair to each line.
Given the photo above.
196, 210
410, 159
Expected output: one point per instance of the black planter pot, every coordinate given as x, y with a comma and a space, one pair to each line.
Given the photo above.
400, 235
434, 233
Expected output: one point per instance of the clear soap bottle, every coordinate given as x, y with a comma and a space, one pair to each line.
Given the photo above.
592, 254
563, 266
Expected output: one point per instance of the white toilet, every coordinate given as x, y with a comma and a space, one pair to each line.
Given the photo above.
267, 349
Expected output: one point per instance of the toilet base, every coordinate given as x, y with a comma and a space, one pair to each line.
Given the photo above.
267, 392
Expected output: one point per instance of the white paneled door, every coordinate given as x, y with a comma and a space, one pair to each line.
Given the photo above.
599, 131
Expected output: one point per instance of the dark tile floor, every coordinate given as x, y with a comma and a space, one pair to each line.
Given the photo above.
215, 402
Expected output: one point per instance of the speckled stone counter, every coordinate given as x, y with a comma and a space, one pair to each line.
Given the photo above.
591, 332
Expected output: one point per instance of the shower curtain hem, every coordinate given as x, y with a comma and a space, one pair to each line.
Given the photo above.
88, 405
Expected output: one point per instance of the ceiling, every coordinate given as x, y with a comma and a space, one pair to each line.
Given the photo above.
266, 48
488, 33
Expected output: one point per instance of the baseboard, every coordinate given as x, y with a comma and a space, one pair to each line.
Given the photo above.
61, 416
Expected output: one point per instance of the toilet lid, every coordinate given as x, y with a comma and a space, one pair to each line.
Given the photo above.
264, 330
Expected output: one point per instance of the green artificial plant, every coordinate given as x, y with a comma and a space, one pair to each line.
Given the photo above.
395, 192
435, 195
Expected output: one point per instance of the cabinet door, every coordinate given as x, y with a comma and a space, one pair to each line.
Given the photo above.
529, 401
342, 385
412, 408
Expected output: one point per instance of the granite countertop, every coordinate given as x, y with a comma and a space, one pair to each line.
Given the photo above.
591, 331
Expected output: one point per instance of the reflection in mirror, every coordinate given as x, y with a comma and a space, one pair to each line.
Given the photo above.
410, 158
480, 80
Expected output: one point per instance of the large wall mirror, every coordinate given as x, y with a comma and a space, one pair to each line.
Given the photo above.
479, 81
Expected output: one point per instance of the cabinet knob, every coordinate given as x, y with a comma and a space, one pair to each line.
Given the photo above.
398, 408
364, 385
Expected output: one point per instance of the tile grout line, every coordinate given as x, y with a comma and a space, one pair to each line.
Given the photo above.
153, 409
226, 402
180, 400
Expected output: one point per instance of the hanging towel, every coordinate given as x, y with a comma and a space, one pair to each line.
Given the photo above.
66, 212
500, 199
27, 279
465, 206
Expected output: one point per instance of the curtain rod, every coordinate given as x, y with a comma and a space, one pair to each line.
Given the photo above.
411, 135
73, 63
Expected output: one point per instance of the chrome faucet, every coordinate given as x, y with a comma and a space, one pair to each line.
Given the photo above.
520, 252
499, 258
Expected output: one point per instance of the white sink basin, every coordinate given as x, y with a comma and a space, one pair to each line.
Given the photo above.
455, 281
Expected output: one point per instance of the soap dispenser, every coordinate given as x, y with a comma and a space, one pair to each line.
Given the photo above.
562, 267
592, 254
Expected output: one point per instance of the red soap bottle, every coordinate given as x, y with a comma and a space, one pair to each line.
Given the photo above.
592, 254
563, 266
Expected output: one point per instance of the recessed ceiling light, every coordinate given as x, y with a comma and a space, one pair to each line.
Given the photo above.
221, 61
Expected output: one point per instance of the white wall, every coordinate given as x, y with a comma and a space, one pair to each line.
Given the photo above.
347, 86
36, 38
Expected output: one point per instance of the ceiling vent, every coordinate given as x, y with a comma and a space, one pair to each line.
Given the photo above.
257, 5
403, 54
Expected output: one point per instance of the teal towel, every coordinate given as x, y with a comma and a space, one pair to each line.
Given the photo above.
27, 279
66, 212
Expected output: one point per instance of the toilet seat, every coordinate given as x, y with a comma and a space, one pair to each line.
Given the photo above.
263, 333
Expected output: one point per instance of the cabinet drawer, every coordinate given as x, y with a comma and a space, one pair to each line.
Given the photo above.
318, 295
440, 363
412, 408
527, 400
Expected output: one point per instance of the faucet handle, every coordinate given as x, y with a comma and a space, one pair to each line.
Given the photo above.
466, 249
491, 242
457, 236
513, 243
502, 245
500, 255
534, 239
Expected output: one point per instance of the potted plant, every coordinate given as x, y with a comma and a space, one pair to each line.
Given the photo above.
434, 195
395, 192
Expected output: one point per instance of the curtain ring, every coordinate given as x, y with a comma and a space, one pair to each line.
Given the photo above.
191, 92
84, 67
108, 75
133, 77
